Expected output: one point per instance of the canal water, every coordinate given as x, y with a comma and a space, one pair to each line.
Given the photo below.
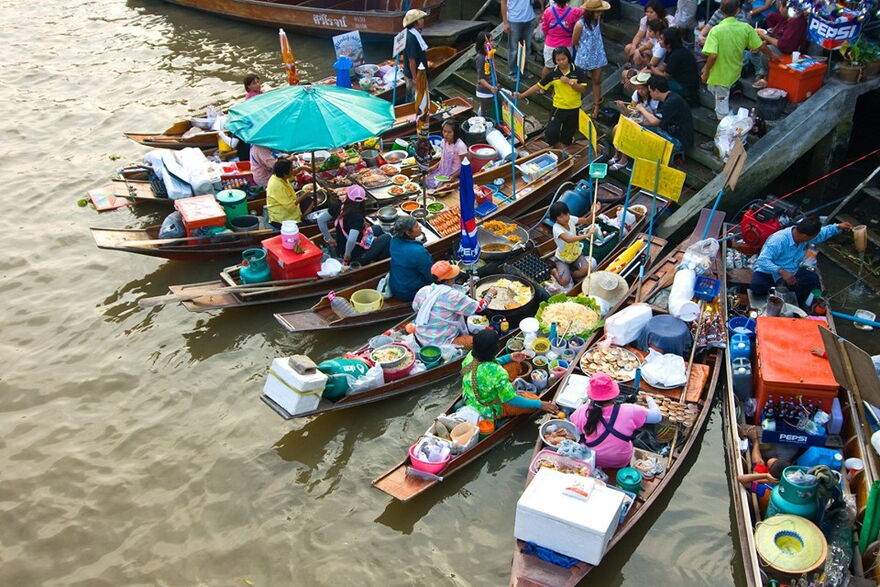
135, 449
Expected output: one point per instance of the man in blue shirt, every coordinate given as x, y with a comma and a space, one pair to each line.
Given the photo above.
782, 254
410, 260
518, 18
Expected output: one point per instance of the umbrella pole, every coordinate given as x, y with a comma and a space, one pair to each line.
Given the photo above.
314, 178
592, 234
625, 210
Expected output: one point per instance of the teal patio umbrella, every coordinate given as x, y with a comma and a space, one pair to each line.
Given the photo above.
310, 118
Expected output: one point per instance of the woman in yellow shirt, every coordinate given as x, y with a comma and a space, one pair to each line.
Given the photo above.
281, 198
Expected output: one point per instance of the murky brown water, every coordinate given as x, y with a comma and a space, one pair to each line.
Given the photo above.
135, 449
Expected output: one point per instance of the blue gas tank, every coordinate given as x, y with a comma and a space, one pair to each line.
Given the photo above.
578, 199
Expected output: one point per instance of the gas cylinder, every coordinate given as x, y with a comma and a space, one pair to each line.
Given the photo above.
790, 498
254, 268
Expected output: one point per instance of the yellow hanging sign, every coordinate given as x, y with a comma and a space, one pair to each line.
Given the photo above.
669, 185
587, 128
641, 143
515, 121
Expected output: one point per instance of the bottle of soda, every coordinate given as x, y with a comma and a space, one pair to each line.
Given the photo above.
340, 306
809, 262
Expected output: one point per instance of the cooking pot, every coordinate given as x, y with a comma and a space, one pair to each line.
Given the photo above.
485, 237
513, 315
387, 214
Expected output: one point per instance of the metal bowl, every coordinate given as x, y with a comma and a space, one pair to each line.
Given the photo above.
419, 213
485, 237
387, 214
394, 156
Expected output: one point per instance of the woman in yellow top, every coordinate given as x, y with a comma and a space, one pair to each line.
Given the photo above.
569, 84
281, 198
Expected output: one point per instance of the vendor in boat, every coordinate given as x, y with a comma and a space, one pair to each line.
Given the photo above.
410, 260
486, 386
569, 84
415, 50
253, 86
356, 239
443, 308
453, 151
569, 259
608, 426
281, 199
782, 254
262, 163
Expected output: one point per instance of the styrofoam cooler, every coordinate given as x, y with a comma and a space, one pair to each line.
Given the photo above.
574, 394
292, 391
578, 528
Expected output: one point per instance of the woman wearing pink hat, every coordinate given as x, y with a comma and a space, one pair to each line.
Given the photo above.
357, 239
607, 426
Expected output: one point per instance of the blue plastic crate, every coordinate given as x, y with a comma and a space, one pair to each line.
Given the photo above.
485, 208
706, 288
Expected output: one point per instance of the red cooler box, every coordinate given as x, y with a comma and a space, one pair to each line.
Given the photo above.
285, 264
199, 212
786, 368
800, 85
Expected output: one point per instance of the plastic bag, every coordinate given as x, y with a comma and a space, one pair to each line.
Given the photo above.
699, 255
734, 125
384, 286
373, 379
664, 370
172, 226
450, 352
468, 414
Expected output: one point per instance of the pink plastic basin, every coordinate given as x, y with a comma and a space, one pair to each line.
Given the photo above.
426, 466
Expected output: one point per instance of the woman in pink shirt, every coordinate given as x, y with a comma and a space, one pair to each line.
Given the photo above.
557, 23
607, 426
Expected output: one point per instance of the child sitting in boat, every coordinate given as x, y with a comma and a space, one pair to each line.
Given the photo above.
486, 385
765, 475
569, 258
453, 150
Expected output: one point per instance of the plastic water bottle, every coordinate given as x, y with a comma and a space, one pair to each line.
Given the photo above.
340, 306
809, 262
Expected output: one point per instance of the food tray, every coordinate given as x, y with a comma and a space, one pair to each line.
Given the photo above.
577, 466
618, 374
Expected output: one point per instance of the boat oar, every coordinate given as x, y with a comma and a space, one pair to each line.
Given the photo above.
687, 378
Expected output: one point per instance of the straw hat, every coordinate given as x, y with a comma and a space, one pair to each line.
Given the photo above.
413, 15
602, 388
640, 79
595, 5
609, 286
790, 544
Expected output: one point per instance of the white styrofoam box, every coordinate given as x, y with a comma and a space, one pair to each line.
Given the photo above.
571, 526
294, 392
625, 326
574, 394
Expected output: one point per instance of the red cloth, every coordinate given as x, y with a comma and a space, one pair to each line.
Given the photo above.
761, 468
790, 33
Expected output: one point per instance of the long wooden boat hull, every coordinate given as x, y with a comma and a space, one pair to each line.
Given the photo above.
205, 141
529, 570
371, 19
277, 291
746, 514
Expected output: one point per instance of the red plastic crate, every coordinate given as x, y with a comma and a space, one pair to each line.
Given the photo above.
285, 264
199, 212
785, 366
800, 85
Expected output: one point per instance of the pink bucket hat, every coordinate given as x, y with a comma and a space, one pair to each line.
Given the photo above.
602, 388
356, 193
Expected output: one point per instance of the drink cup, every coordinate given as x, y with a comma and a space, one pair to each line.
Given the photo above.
795, 56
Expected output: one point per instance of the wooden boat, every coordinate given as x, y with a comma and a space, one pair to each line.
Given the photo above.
172, 138
216, 295
528, 570
747, 513
321, 317
403, 483
372, 18
146, 241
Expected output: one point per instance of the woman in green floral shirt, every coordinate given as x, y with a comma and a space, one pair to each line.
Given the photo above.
486, 386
